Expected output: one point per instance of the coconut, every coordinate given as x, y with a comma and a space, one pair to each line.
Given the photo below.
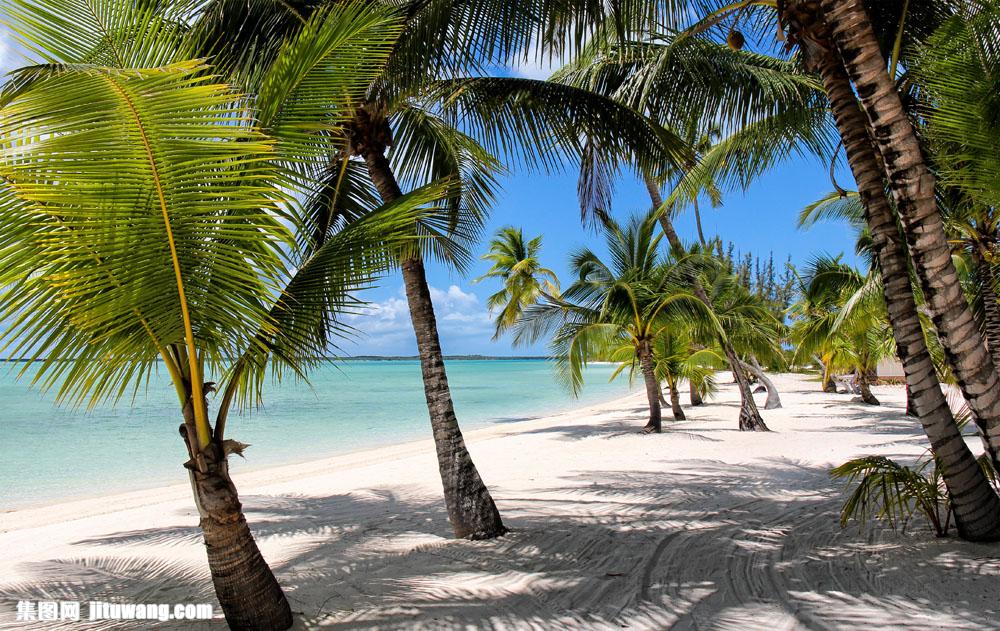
736, 40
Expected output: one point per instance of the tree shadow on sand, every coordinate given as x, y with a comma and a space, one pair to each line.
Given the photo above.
713, 546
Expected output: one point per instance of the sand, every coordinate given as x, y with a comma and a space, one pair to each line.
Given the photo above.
700, 527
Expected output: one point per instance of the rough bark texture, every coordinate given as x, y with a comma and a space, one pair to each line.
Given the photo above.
991, 309
695, 395
655, 423
773, 398
976, 505
471, 509
250, 596
913, 187
750, 419
675, 403
864, 388
911, 406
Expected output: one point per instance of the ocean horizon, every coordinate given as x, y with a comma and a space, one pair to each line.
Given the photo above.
53, 453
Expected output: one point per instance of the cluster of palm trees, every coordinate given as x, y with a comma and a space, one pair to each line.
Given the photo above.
204, 187
667, 315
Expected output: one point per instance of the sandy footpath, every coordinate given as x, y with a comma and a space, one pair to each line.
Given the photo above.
702, 527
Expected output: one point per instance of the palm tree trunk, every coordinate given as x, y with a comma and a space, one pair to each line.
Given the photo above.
911, 406
913, 188
250, 596
976, 505
655, 424
471, 509
697, 223
991, 309
864, 387
773, 399
675, 403
829, 384
695, 394
750, 419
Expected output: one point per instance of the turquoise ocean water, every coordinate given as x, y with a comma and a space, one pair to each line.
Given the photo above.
50, 453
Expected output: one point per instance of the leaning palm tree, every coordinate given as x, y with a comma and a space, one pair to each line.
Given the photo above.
428, 116
628, 301
978, 515
525, 281
842, 38
144, 226
678, 356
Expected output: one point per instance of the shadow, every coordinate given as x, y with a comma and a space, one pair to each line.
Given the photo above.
707, 545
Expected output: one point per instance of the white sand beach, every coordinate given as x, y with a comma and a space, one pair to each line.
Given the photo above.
700, 527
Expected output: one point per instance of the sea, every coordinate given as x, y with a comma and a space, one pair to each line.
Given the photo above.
50, 453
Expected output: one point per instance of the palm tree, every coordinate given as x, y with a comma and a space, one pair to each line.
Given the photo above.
525, 281
690, 83
144, 225
913, 188
978, 515
408, 130
798, 17
679, 357
628, 301
841, 315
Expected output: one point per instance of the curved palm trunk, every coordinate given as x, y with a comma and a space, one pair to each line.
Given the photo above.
976, 505
471, 509
695, 394
675, 403
773, 398
750, 419
829, 384
991, 309
864, 388
250, 596
655, 423
912, 185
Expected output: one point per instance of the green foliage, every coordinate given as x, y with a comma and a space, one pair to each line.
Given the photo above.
888, 491
525, 281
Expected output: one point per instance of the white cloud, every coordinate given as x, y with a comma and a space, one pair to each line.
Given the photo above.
464, 324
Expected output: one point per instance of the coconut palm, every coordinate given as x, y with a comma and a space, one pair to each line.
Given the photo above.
144, 225
768, 106
627, 300
979, 511
423, 118
913, 188
842, 316
525, 281
679, 357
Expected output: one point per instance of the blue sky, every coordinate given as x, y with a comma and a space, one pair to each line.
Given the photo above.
760, 220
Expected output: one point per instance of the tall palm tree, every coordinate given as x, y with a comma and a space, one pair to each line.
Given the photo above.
408, 129
144, 217
913, 189
976, 503
525, 281
627, 300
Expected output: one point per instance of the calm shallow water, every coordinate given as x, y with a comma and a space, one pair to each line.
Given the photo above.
49, 453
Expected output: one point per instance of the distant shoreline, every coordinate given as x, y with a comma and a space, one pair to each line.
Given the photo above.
355, 358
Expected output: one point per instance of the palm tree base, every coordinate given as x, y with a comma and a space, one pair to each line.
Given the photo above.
750, 421
249, 594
